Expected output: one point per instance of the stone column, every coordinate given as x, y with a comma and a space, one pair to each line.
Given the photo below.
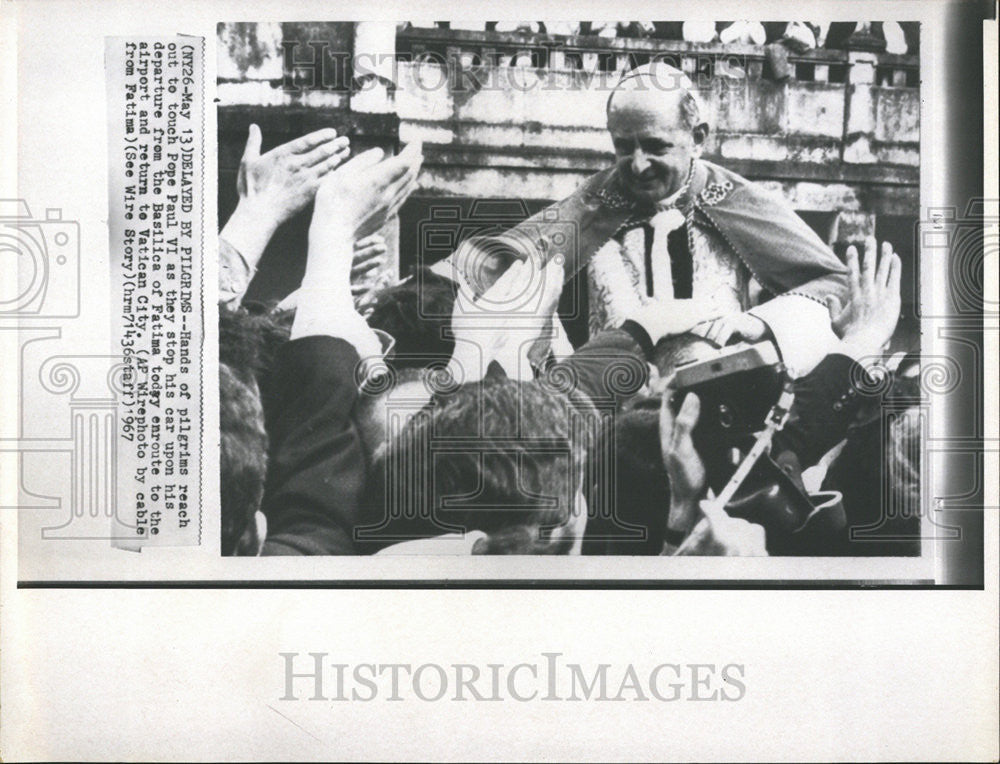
862, 53
374, 68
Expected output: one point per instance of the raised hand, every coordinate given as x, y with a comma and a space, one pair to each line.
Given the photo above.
367, 272
281, 182
358, 199
507, 321
870, 316
685, 469
369, 255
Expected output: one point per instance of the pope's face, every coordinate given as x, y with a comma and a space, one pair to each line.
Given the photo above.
653, 144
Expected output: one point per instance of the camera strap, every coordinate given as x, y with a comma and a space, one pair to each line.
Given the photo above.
776, 419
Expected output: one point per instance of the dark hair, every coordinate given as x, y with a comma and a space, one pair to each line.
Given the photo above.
417, 314
641, 487
503, 457
678, 350
249, 337
243, 458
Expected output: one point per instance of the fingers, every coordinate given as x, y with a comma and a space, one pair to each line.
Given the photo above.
691, 313
729, 535
320, 156
666, 426
397, 171
834, 307
719, 331
403, 173
885, 264
552, 282
712, 510
887, 250
363, 160
685, 421
392, 172
360, 269
309, 141
509, 286
895, 275
413, 151
400, 195
394, 181
868, 262
330, 164
369, 241
368, 248
853, 271
254, 140
889, 273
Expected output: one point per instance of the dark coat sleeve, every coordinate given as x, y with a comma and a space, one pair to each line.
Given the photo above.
316, 467
609, 369
826, 401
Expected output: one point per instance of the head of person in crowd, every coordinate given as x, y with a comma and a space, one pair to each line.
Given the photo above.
416, 313
641, 489
501, 457
657, 130
388, 398
243, 455
249, 337
677, 350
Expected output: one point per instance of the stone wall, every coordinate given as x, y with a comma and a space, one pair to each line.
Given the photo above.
840, 139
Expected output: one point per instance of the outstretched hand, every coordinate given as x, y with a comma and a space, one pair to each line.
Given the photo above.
507, 321
358, 199
669, 317
282, 181
685, 469
869, 318
730, 328
708, 529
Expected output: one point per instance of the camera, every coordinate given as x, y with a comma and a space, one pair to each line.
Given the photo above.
737, 388
485, 242
39, 263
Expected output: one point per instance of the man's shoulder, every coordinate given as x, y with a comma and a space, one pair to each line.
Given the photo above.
721, 186
606, 185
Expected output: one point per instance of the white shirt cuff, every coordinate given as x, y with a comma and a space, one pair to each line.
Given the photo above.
319, 315
801, 329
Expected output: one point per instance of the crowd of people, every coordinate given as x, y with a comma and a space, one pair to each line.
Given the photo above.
445, 413
899, 37
779, 40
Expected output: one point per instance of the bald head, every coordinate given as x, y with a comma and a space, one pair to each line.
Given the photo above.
663, 90
655, 125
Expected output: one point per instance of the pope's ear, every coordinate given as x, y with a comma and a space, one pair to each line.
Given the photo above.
700, 133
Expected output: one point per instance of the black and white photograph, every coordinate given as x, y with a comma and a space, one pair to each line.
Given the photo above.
572, 288
409, 382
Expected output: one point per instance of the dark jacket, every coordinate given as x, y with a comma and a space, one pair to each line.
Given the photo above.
316, 467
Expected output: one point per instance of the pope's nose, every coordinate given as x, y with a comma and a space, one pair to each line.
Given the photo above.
640, 162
